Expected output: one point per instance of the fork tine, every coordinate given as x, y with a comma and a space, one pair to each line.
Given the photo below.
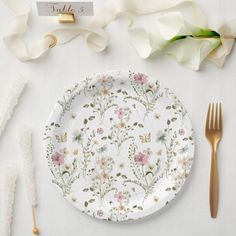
208, 117
212, 116
217, 117
220, 121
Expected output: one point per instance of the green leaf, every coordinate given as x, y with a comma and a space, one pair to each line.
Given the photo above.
149, 172
85, 203
91, 118
168, 189
85, 121
85, 190
168, 122
205, 33
91, 200
124, 176
65, 172
178, 37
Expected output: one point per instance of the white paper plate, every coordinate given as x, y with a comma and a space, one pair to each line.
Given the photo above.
118, 145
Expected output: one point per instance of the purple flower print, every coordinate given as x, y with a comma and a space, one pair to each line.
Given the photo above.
141, 159
140, 78
58, 159
181, 132
100, 130
100, 213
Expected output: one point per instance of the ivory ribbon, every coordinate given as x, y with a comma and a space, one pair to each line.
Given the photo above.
151, 26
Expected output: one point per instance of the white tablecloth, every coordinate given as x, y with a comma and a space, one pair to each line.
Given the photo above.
64, 65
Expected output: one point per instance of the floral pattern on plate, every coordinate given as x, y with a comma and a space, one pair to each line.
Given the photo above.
118, 145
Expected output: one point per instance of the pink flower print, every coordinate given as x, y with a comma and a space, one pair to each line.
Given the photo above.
100, 130
58, 159
140, 78
119, 196
181, 132
184, 163
120, 112
141, 158
103, 80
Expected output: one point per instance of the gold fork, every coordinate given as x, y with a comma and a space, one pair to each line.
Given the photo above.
213, 133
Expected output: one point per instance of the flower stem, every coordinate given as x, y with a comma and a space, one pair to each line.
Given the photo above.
201, 33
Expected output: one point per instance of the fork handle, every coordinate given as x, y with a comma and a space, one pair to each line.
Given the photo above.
214, 185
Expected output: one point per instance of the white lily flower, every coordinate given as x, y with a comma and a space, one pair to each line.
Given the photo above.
190, 52
186, 43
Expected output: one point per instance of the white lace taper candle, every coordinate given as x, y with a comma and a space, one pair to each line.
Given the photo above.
28, 170
9, 187
8, 103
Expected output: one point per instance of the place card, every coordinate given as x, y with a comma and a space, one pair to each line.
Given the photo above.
52, 8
